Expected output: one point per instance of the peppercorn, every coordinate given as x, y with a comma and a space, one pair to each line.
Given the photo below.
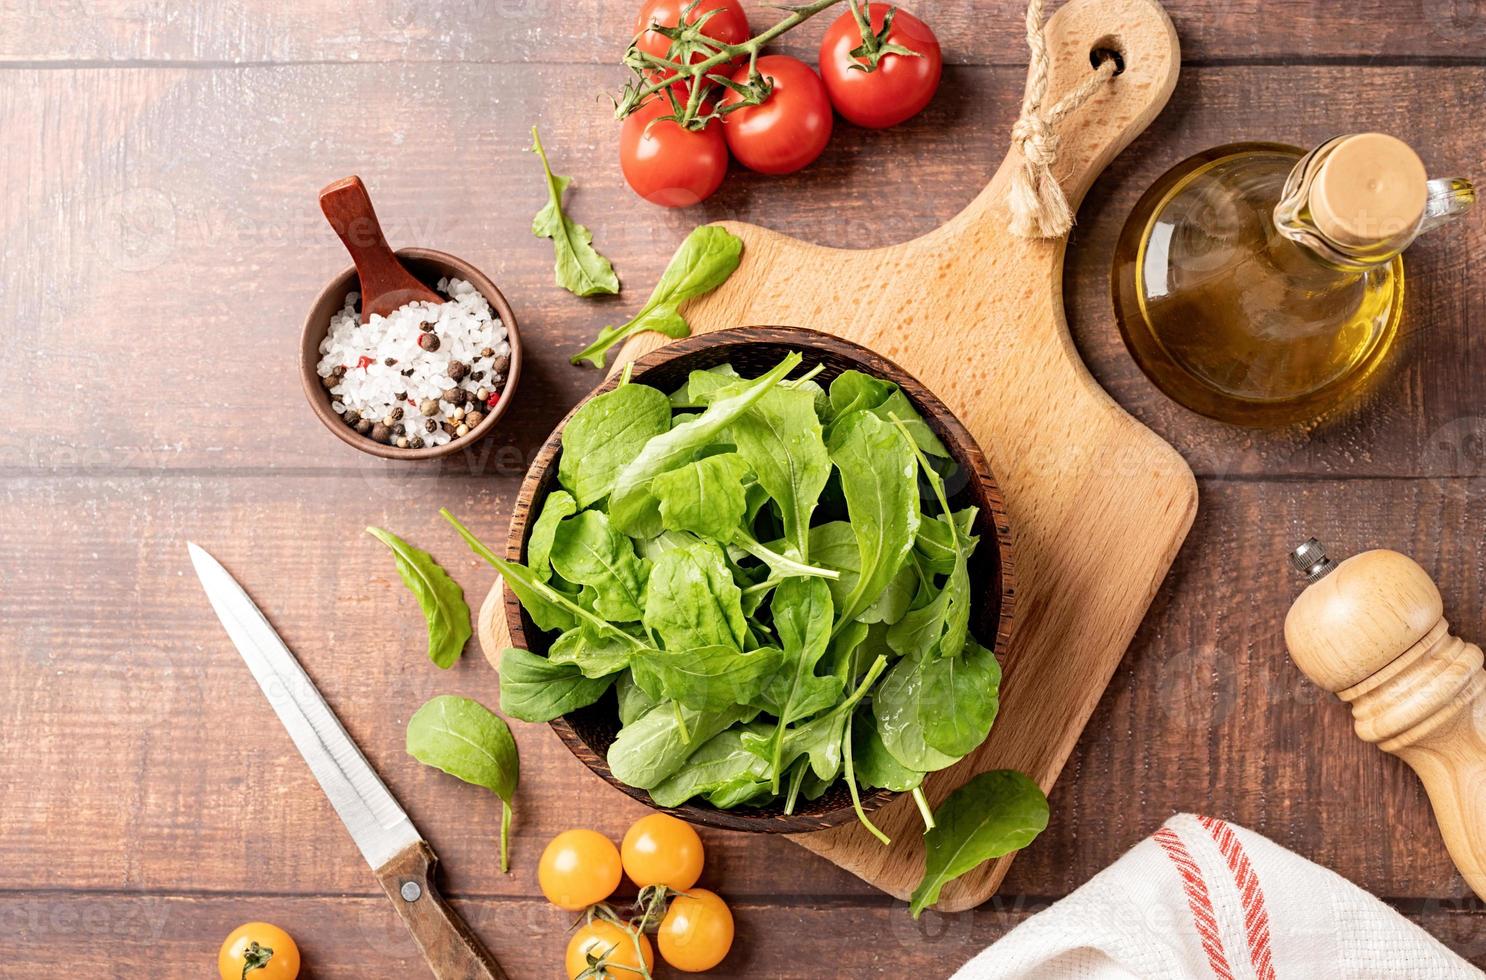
487, 351
473, 419
482, 394
381, 433
430, 425
364, 426
396, 412
416, 442
351, 415
477, 376
390, 361
500, 364
401, 396
399, 429
451, 395
331, 381
449, 427
428, 407
428, 341
458, 369
426, 327
462, 430
402, 442
408, 373
457, 414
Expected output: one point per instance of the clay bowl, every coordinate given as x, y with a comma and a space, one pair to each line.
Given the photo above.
752, 350
429, 266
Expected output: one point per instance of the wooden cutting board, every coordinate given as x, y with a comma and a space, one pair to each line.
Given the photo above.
1098, 504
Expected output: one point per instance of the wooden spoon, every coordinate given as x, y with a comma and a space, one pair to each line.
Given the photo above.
386, 284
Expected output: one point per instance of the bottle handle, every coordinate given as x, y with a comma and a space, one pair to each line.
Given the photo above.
1449, 198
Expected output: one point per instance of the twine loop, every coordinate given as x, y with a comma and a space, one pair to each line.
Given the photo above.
1039, 208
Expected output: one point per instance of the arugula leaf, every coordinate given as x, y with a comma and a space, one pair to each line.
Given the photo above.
578, 268
700, 385
943, 623
594, 654
633, 701
587, 551
535, 689
720, 765
898, 705
438, 595
960, 696
702, 263
879, 479
466, 740
558, 505
707, 678
780, 437
853, 391
993, 814
691, 600
802, 615
936, 548
656, 744
605, 434
820, 738
632, 507
705, 497
874, 764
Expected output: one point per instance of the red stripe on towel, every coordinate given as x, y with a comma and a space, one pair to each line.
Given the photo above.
1255, 915
1199, 902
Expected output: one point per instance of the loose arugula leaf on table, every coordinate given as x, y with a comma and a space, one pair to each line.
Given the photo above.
879, 478
720, 766
466, 740
587, 551
993, 814
605, 434
558, 505
707, 678
780, 437
658, 743
578, 268
438, 595
535, 689
702, 263
632, 507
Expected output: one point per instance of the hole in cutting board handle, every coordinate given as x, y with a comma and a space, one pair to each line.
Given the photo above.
1108, 48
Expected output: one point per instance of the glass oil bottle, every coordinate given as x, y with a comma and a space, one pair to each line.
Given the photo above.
1262, 285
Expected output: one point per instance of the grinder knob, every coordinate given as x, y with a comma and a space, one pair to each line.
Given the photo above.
1371, 629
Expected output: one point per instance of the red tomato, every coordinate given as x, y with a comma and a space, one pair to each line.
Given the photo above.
729, 25
792, 125
898, 88
668, 165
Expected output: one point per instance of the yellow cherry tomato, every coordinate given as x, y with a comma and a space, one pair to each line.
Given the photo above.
579, 868
258, 951
697, 931
661, 850
602, 950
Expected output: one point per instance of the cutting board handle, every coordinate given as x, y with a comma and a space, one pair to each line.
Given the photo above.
1142, 37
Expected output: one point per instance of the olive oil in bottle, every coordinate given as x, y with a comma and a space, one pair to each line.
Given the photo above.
1263, 285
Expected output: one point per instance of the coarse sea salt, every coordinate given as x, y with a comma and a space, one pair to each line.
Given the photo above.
379, 367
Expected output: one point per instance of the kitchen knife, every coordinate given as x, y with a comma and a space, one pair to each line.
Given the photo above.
402, 860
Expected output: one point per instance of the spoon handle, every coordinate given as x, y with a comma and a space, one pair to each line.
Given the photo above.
386, 284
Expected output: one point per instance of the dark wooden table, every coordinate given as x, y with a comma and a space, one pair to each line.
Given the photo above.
161, 243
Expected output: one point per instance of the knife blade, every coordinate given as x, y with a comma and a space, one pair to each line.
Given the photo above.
402, 861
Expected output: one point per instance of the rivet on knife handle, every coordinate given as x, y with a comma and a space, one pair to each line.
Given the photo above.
453, 952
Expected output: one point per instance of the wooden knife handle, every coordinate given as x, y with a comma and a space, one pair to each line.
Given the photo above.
453, 952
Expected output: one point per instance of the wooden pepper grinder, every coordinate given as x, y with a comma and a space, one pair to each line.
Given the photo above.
1371, 630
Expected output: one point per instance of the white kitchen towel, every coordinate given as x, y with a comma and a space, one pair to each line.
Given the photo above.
1204, 899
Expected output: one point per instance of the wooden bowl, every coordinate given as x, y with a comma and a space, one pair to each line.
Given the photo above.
429, 266
589, 732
